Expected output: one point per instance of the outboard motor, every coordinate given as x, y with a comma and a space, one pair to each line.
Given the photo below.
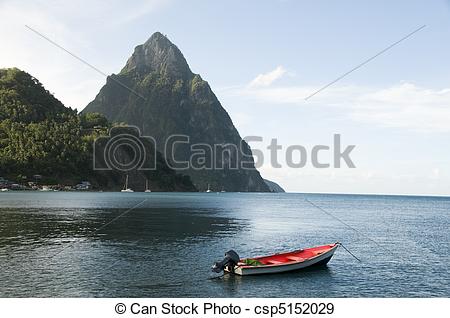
231, 259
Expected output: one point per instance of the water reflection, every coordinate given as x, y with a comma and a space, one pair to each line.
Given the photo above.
272, 285
140, 249
50, 246
19, 227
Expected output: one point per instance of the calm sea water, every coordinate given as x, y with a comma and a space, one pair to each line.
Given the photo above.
76, 245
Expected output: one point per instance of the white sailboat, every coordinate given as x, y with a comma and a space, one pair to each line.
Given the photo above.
146, 187
209, 189
125, 188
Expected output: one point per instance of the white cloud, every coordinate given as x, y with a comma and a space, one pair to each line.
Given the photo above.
266, 79
435, 173
404, 105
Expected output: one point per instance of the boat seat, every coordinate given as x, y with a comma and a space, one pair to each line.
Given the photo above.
273, 262
295, 258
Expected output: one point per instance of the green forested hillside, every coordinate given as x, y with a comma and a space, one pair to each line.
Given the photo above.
24, 99
39, 135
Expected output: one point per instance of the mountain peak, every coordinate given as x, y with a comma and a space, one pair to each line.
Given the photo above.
158, 54
178, 102
158, 36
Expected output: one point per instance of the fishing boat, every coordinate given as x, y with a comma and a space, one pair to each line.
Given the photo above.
125, 188
277, 263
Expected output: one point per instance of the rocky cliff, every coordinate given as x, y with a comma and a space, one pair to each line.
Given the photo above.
157, 92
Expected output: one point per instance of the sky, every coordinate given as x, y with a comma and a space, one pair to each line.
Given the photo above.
262, 59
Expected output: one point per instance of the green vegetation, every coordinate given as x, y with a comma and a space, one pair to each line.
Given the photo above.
39, 135
24, 99
93, 120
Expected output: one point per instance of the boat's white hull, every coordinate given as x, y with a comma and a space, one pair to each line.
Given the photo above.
287, 267
127, 190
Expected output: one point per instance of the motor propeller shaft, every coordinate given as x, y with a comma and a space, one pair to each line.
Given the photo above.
231, 259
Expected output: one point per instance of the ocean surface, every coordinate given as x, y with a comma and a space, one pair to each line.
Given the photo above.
63, 244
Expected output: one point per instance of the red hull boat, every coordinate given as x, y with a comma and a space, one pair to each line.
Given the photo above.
284, 262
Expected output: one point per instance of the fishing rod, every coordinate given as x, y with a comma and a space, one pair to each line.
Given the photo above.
344, 223
354, 229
